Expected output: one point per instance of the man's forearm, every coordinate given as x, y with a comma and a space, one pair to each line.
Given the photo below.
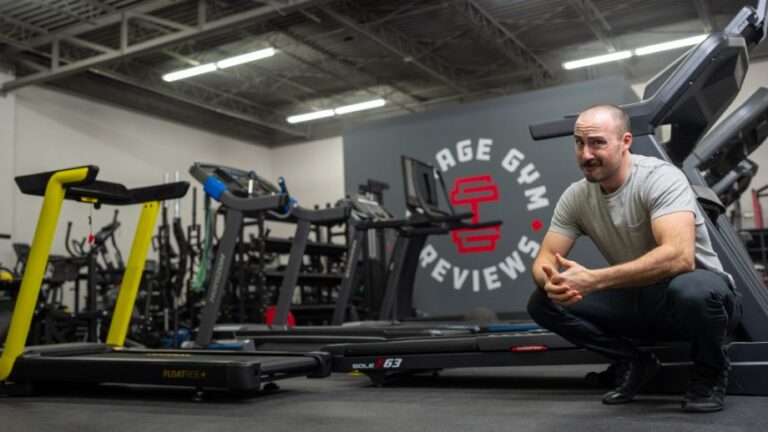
660, 263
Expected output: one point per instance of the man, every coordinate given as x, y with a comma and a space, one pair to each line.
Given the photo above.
664, 281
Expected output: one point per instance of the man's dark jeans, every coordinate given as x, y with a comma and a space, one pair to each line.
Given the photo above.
699, 307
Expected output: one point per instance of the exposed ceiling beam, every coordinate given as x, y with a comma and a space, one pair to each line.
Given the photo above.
292, 43
100, 5
189, 92
601, 28
201, 96
105, 20
408, 9
249, 77
66, 11
514, 87
596, 22
705, 13
255, 77
401, 45
176, 37
507, 43
23, 25
131, 97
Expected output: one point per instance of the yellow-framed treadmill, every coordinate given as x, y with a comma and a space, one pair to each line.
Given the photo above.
21, 367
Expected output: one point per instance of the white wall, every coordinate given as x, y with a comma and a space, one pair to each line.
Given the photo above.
314, 173
56, 130
314, 170
7, 187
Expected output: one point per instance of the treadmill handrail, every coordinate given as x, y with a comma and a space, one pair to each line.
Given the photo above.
392, 223
731, 127
252, 204
36, 184
339, 214
486, 224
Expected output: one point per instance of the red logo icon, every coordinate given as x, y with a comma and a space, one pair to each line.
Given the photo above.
473, 191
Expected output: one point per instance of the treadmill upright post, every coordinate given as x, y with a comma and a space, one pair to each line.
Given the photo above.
395, 267
129, 287
350, 276
36, 264
233, 223
291, 275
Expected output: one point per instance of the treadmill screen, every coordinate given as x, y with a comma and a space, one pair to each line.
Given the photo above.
419, 181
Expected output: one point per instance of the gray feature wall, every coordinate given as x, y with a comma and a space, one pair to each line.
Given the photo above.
469, 143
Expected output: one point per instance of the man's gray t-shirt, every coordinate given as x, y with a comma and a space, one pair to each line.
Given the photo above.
619, 223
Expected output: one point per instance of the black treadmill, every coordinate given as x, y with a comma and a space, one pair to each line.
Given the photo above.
721, 158
397, 317
690, 95
363, 215
110, 362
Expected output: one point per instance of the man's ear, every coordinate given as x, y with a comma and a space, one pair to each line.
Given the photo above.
626, 140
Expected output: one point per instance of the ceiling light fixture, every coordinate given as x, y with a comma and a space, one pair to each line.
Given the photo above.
605, 58
376, 103
186, 73
666, 46
622, 55
346, 109
310, 116
245, 58
221, 64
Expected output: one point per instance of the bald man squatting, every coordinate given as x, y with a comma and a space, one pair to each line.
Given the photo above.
664, 282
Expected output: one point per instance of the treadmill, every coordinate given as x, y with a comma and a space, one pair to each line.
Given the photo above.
690, 95
110, 362
721, 158
362, 215
397, 317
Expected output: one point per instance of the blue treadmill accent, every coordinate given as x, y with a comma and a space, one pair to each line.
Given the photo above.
214, 187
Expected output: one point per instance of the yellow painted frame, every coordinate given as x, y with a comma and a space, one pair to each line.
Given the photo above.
36, 265
129, 288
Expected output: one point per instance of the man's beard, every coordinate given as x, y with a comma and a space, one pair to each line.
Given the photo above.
595, 177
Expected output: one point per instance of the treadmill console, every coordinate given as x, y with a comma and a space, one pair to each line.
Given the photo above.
368, 208
243, 184
419, 179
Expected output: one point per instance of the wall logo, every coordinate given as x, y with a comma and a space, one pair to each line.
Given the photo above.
472, 191
505, 186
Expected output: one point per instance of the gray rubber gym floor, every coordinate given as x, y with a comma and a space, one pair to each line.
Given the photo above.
490, 399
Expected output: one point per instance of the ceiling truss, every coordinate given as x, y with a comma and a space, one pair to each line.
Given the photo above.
415, 54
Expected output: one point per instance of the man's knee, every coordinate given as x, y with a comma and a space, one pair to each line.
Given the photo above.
694, 292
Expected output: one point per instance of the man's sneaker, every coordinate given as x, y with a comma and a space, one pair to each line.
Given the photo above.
631, 376
706, 390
